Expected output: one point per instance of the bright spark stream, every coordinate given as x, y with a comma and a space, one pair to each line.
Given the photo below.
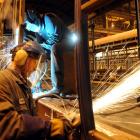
128, 88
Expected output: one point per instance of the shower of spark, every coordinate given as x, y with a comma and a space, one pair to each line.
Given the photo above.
128, 88
5, 56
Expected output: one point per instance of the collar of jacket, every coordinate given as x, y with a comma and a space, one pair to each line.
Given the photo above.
19, 78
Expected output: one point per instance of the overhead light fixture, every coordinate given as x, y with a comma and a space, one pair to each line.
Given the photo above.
112, 25
74, 37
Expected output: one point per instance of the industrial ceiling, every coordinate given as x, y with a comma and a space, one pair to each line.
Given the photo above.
63, 8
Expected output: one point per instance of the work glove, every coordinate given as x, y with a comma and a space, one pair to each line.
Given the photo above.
60, 129
57, 130
72, 128
57, 127
76, 121
52, 38
76, 128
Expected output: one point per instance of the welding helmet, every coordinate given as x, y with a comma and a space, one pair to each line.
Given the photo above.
30, 49
32, 21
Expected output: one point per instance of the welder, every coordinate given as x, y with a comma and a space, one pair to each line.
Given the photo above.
18, 119
52, 35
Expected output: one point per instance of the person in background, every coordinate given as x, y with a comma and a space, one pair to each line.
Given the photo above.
53, 36
18, 119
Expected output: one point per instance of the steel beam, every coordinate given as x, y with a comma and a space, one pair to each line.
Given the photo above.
138, 24
82, 74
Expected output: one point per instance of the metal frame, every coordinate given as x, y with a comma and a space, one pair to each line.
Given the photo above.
82, 73
82, 70
138, 24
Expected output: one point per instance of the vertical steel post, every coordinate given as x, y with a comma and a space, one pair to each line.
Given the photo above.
82, 73
138, 24
21, 19
93, 46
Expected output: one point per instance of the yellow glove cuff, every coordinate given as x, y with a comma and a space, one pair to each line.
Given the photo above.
57, 127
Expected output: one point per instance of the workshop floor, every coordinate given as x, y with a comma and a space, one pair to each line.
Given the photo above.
126, 125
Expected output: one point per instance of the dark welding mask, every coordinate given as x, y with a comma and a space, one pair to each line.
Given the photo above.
32, 21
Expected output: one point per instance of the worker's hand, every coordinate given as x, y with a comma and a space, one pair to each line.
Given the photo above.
32, 27
60, 129
72, 128
76, 121
57, 128
52, 39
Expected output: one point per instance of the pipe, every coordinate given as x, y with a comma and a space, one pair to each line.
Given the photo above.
87, 4
117, 37
21, 20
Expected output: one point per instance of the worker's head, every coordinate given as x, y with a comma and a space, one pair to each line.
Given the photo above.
28, 57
